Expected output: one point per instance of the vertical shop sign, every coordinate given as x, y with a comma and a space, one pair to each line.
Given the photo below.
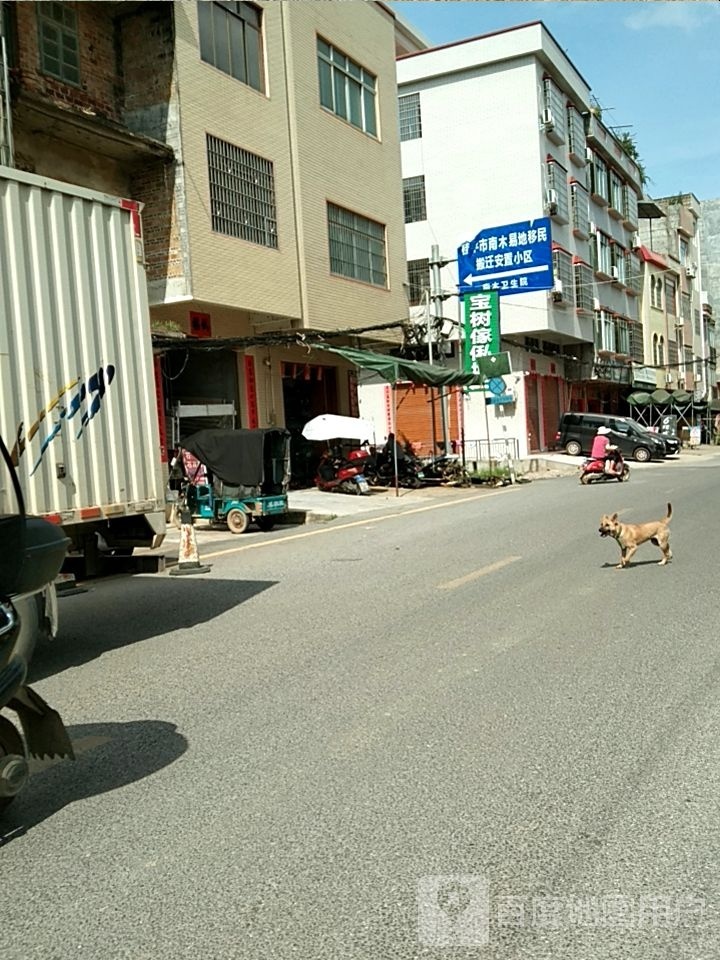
251, 392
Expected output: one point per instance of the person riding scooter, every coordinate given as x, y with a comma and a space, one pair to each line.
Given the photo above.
603, 449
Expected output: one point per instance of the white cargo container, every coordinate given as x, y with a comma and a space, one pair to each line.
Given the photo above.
77, 393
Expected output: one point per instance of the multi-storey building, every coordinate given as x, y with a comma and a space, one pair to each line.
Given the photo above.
502, 129
678, 336
262, 139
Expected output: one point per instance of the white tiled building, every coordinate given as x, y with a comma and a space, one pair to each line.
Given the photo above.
501, 129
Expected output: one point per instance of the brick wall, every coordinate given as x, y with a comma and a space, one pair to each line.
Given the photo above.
100, 87
146, 37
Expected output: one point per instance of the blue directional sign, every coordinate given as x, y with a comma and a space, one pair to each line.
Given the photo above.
515, 258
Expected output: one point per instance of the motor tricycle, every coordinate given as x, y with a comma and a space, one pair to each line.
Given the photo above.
233, 477
32, 554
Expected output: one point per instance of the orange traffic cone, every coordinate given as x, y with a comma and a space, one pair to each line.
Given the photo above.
188, 556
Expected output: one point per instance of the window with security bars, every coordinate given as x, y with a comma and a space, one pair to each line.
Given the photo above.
584, 295
231, 39
557, 198
563, 271
685, 308
616, 191
599, 178
554, 102
346, 88
418, 272
605, 331
670, 296
410, 118
630, 205
632, 272
580, 209
357, 246
576, 133
58, 42
673, 353
637, 346
622, 336
242, 193
414, 199
617, 262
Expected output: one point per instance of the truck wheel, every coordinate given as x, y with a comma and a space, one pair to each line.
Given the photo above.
11, 743
237, 521
265, 523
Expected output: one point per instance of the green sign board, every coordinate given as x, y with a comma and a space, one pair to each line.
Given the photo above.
482, 329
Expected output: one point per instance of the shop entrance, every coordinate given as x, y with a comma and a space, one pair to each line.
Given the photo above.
309, 390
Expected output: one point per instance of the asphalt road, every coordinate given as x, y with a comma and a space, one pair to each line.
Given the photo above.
391, 737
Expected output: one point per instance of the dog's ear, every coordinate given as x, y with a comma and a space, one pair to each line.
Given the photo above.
614, 516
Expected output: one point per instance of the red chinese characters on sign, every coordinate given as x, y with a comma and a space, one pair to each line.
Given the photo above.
251, 392
200, 324
160, 401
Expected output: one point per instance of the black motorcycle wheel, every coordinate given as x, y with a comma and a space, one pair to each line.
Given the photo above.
10, 742
585, 479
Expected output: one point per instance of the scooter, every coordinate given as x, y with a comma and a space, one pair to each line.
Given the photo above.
380, 469
32, 554
594, 470
337, 473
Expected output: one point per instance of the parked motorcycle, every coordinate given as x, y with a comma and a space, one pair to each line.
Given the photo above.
380, 468
32, 555
338, 473
594, 470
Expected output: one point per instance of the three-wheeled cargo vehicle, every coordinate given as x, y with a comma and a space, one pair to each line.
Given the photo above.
234, 477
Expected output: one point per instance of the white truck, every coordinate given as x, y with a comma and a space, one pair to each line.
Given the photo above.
78, 406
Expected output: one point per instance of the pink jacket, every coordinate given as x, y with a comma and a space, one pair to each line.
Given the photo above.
598, 448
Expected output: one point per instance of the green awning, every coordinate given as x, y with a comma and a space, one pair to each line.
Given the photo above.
639, 399
660, 396
681, 396
395, 369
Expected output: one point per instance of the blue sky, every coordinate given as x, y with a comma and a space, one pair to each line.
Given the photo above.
653, 66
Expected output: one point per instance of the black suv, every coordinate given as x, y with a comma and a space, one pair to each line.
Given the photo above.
577, 431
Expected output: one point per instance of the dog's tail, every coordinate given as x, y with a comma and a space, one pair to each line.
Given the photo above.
669, 513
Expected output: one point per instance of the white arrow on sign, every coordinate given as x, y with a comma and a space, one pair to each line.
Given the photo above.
471, 278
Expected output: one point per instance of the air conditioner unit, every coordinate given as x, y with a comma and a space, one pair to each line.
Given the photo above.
548, 121
691, 270
698, 378
614, 273
589, 155
635, 241
596, 303
668, 378
551, 201
557, 291
593, 227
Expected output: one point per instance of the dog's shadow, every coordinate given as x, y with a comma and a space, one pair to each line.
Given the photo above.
633, 563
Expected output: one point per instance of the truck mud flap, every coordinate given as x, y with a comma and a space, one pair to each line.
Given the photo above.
45, 733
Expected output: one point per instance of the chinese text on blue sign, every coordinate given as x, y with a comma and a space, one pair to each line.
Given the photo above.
515, 258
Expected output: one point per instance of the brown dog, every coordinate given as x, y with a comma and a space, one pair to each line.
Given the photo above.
630, 535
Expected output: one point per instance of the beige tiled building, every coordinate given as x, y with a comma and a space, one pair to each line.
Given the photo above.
263, 141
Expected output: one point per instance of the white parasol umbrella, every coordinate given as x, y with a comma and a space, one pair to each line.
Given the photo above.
331, 426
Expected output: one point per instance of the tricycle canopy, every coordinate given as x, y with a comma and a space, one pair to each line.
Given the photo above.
239, 457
